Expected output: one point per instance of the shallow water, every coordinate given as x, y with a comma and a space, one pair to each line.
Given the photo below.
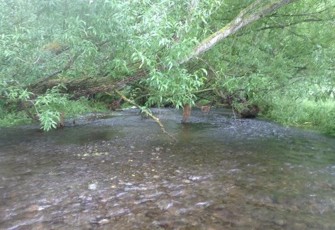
121, 172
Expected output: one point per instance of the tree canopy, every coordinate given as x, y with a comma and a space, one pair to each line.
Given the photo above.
277, 54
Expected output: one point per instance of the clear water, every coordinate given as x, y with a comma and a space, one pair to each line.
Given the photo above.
121, 172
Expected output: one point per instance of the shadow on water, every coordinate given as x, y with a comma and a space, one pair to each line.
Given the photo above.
121, 172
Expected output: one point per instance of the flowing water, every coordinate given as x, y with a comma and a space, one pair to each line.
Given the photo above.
121, 172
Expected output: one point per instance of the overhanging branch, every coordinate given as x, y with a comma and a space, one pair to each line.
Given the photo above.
147, 112
252, 13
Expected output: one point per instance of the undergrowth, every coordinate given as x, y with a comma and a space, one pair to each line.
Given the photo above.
317, 115
71, 109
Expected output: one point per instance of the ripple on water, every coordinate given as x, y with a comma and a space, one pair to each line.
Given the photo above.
124, 174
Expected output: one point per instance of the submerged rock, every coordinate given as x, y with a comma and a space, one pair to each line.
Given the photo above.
92, 186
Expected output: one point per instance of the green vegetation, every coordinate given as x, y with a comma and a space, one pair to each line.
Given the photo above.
67, 57
305, 113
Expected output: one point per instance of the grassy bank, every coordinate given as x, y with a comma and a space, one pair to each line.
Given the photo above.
304, 113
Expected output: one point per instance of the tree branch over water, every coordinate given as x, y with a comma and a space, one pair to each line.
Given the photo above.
252, 13
147, 112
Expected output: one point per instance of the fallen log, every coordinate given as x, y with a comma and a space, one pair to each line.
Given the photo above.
86, 86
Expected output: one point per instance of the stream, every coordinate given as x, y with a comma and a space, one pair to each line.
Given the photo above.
119, 171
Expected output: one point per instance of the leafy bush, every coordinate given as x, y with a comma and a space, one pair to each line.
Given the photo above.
46, 107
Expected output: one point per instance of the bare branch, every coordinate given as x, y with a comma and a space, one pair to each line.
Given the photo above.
147, 112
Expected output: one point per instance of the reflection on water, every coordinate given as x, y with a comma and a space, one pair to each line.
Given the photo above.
122, 173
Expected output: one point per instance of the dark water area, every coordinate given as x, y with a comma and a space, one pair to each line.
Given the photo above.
120, 172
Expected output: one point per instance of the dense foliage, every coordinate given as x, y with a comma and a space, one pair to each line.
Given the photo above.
283, 63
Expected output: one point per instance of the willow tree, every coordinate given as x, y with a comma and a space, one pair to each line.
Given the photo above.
166, 51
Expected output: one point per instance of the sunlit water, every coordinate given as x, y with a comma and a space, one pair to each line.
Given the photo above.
121, 172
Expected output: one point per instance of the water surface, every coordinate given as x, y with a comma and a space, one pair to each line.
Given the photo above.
121, 172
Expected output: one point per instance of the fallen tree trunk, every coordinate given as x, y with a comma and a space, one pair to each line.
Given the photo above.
88, 86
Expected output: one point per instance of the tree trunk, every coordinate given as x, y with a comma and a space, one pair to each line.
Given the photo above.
87, 86
186, 113
252, 13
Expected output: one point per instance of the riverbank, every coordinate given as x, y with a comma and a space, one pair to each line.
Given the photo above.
305, 114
